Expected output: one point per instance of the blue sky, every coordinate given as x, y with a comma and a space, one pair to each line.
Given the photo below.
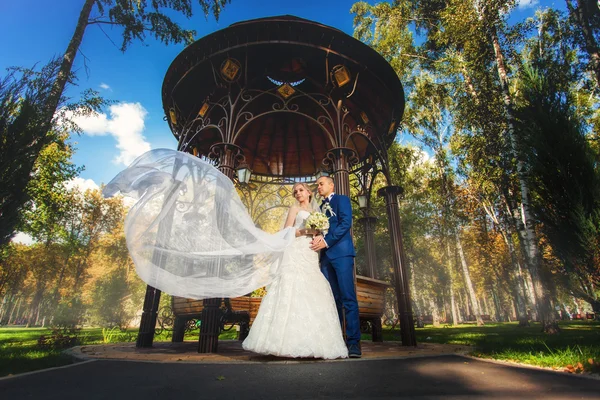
39, 31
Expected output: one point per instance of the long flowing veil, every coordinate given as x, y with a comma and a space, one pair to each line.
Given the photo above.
189, 233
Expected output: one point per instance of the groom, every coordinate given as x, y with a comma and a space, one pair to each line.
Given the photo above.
337, 259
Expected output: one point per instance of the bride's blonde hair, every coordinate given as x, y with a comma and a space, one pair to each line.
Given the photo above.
305, 186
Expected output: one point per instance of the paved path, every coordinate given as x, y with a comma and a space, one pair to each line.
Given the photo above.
440, 377
231, 351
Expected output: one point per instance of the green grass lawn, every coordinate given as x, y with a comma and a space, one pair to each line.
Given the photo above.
19, 350
578, 343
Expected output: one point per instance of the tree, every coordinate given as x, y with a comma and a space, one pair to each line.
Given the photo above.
24, 94
137, 19
564, 179
585, 15
33, 104
47, 190
473, 53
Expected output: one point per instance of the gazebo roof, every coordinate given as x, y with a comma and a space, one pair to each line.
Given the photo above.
269, 53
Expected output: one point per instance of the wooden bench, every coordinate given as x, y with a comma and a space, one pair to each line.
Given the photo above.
370, 294
239, 311
242, 310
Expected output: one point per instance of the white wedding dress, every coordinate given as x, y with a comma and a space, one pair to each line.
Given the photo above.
190, 235
298, 316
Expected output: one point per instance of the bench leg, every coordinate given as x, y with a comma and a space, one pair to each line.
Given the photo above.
377, 333
244, 330
178, 329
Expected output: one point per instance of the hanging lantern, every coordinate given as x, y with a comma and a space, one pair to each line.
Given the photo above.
362, 200
341, 75
392, 127
244, 173
320, 173
203, 110
173, 116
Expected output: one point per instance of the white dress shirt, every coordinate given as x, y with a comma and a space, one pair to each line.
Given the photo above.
329, 200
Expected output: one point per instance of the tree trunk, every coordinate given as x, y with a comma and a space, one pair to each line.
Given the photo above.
525, 223
468, 282
519, 291
513, 311
469, 82
61, 277
486, 310
414, 296
497, 308
522, 296
6, 303
67, 61
18, 307
455, 319
36, 303
531, 296
434, 313
463, 307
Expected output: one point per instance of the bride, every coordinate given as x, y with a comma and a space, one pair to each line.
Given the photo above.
298, 316
190, 235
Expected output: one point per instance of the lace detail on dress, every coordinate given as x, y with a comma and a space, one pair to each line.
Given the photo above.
298, 316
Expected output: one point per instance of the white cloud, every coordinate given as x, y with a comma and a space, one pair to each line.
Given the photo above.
125, 124
527, 3
105, 86
22, 238
424, 157
82, 184
128, 202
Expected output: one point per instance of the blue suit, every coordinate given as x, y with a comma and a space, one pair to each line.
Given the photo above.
337, 264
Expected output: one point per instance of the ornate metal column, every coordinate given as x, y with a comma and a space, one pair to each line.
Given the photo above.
227, 156
148, 322
151, 300
339, 161
407, 327
368, 224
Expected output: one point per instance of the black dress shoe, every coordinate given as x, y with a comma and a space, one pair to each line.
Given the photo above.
354, 351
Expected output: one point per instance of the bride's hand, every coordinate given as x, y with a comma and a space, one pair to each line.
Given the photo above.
317, 243
299, 232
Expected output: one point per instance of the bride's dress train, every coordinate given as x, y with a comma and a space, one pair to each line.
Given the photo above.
298, 317
191, 236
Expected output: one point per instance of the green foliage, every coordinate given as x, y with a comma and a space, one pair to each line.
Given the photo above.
61, 338
25, 132
109, 295
69, 313
577, 343
564, 179
49, 197
19, 351
142, 17
22, 136
466, 89
116, 335
584, 16
32, 104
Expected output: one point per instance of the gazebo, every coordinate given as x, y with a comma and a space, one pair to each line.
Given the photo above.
284, 99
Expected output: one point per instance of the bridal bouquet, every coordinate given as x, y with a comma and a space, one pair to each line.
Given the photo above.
318, 221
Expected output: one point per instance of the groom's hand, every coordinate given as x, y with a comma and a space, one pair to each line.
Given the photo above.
317, 243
